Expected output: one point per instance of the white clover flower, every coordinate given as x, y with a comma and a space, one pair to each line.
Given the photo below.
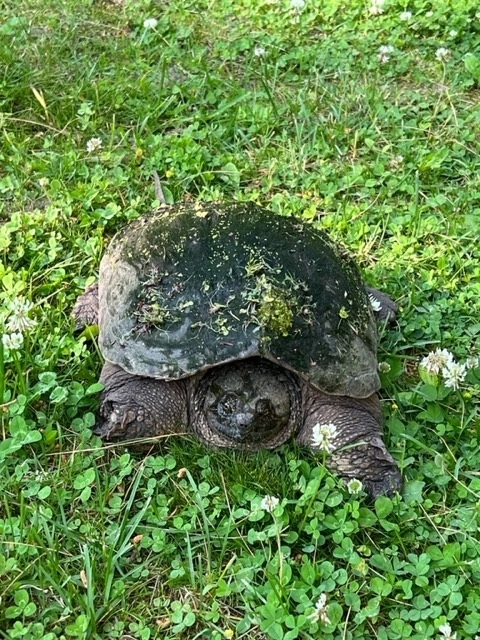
436, 361
18, 319
384, 367
376, 8
406, 16
396, 161
452, 33
94, 144
322, 436
20, 305
259, 52
446, 631
375, 302
298, 5
354, 486
12, 341
150, 23
384, 52
442, 53
453, 374
320, 614
473, 362
269, 503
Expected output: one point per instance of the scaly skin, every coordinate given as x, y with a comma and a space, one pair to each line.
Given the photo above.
358, 449
85, 311
133, 407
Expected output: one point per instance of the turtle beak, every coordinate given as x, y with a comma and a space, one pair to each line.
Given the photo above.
109, 422
101, 429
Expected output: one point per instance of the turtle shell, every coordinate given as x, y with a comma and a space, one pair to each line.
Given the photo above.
195, 285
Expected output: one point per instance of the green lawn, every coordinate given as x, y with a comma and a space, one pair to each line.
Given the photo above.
364, 119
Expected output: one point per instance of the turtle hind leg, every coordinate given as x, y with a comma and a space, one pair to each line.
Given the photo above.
350, 431
85, 310
385, 309
133, 407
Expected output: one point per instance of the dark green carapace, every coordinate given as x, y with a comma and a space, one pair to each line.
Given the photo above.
199, 284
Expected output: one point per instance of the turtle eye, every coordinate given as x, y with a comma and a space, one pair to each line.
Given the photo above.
227, 405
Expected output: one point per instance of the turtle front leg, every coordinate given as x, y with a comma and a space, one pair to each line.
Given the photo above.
134, 407
350, 431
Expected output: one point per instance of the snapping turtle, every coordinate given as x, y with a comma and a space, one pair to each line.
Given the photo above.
245, 328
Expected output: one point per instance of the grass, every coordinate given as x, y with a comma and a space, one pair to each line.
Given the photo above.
293, 109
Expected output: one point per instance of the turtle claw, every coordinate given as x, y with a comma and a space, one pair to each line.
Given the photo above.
388, 485
385, 309
115, 423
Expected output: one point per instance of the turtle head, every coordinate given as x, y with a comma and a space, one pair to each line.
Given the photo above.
249, 402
